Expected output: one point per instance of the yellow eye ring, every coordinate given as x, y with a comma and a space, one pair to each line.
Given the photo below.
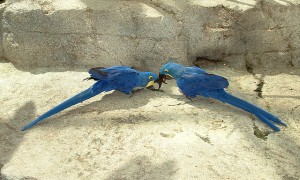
150, 78
166, 70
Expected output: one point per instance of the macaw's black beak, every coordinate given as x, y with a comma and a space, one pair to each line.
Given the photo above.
161, 79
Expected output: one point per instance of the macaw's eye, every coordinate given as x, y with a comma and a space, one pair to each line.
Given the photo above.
150, 78
166, 70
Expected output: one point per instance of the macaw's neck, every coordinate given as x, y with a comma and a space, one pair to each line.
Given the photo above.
177, 71
144, 79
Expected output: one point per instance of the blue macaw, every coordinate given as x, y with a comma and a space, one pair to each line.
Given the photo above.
194, 81
121, 78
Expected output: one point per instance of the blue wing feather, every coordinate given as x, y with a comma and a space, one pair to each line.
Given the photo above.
199, 84
124, 80
194, 69
100, 73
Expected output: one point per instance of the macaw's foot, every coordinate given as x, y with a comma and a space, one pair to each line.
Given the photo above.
133, 92
189, 98
89, 78
212, 100
137, 90
152, 88
130, 94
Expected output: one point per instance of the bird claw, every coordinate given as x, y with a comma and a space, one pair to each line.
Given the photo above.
159, 90
152, 88
130, 95
137, 90
133, 92
189, 98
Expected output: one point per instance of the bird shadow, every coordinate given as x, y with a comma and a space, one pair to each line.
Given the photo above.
10, 134
141, 167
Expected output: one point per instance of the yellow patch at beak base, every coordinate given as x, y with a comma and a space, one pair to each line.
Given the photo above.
169, 75
150, 83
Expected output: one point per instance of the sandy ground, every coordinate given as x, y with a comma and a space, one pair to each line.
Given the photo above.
152, 135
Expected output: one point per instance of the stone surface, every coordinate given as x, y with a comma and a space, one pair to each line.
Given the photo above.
2, 6
90, 33
78, 34
45, 45
152, 135
296, 58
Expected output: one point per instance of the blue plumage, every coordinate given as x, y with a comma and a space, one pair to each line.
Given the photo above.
194, 81
121, 78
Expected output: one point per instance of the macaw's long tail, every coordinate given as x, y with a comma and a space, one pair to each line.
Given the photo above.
263, 115
98, 87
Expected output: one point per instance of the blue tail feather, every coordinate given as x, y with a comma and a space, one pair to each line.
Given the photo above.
269, 123
263, 115
98, 87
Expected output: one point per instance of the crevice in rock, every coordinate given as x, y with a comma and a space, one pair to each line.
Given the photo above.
158, 6
259, 88
2, 1
1, 166
205, 139
294, 108
249, 67
205, 61
178, 104
289, 48
28, 178
4, 60
260, 134
167, 135
262, 6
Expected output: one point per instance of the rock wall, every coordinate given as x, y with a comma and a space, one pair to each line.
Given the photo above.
1, 30
85, 33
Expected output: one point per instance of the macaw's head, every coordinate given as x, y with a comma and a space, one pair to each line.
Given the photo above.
148, 79
170, 71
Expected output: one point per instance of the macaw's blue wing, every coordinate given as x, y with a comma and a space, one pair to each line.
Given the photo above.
199, 84
124, 80
98, 87
212, 86
97, 73
101, 73
195, 69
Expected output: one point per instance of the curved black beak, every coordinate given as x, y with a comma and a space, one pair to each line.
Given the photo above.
161, 79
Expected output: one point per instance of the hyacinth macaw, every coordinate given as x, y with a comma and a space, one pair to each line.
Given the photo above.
121, 78
194, 81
